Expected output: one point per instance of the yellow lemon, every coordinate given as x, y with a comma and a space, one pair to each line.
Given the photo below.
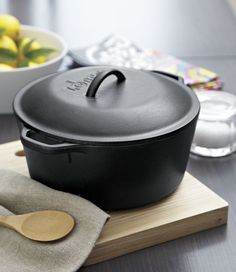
5, 67
34, 46
40, 59
11, 24
8, 43
32, 64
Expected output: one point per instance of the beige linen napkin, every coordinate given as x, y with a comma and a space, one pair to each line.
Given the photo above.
20, 194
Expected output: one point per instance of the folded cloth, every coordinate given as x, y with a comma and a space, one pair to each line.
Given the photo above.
20, 194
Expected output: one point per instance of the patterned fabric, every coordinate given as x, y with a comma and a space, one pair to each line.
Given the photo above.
119, 51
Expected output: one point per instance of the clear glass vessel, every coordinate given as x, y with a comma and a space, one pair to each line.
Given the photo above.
215, 134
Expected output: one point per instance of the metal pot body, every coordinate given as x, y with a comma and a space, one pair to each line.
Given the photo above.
114, 177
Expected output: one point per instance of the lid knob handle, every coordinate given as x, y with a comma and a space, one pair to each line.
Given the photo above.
93, 88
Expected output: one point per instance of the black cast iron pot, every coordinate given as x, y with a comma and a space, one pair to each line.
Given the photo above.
118, 137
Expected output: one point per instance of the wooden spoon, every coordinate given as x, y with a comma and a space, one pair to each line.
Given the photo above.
41, 225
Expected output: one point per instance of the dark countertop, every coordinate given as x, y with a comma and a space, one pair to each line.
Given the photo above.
201, 32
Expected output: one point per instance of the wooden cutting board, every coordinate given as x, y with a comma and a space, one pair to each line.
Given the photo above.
192, 208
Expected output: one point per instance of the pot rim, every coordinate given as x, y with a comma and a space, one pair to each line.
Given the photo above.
77, 145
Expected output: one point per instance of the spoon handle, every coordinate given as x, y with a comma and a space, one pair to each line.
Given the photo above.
4, 221
9, 221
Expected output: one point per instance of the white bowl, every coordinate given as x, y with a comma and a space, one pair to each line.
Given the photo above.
12, 81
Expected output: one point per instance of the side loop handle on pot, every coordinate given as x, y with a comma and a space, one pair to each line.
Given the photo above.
93, 88
47, 148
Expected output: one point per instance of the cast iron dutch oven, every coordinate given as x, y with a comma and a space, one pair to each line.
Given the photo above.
118, 137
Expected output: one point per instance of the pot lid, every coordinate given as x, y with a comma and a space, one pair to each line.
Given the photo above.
106, 104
